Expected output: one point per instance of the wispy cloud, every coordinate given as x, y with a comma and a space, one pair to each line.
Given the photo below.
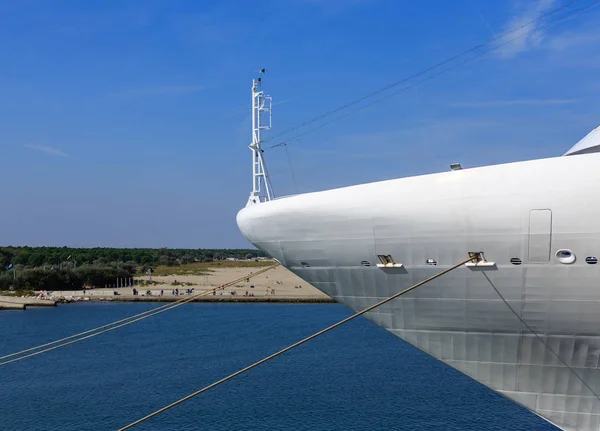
412, 139
530, 35
568, 46
48, 150
576, 48
515, 102
163, 90
583, 38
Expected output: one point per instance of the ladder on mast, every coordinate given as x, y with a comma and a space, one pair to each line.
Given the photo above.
262, 190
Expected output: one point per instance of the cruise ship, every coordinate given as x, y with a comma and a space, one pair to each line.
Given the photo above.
525, 323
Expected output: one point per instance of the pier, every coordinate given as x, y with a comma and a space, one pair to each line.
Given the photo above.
11, 306
19, 303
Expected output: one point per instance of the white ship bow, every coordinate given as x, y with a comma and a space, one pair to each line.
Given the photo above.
538, 221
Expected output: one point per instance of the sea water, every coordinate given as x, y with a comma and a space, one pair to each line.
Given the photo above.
357, 377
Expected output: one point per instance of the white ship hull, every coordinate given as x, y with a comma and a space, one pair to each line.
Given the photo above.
525, 211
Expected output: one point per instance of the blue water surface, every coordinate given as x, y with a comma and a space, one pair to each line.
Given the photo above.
358, 377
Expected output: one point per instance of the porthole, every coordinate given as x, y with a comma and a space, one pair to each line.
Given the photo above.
515, 261
431, 262
591, 260
365, 263
305, 264
565, 256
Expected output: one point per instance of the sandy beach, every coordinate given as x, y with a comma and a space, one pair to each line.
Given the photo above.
275, 285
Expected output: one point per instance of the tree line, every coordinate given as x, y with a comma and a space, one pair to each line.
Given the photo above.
65, 278
64, 268
33, 257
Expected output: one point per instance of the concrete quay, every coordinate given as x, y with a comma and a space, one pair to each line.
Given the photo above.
20, 303
11, 306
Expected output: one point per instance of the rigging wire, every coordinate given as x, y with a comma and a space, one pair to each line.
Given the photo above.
435, 66
289, 160
473, 258
540, 338
429, 69
121, 323
88, 331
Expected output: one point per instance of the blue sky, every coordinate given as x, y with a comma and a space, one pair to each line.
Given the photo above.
126, 123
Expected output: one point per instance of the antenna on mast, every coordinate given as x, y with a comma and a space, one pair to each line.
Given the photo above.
261, 120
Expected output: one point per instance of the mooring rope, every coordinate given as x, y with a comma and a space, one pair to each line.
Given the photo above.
123, 322
473, 258
539, 337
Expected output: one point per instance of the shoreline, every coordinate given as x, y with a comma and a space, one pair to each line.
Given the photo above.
19, 303
249, 299
277, 285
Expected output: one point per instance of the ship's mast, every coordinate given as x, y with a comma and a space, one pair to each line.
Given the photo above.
261, 120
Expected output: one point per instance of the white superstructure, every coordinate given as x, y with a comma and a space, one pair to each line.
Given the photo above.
589, 144
527, 326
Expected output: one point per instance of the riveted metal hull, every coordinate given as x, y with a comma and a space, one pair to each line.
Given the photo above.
526, 211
